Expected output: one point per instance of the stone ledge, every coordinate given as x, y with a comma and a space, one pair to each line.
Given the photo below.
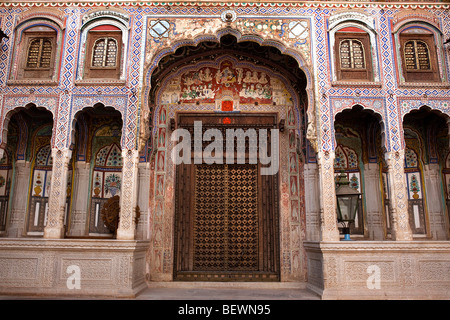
406, 270
41, 267
410, 246
75, 244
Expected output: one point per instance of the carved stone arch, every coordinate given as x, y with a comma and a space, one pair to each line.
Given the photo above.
375, 111
424, 107
14, 110
401, 21
184, 59
284, 49
432, 128
80, 117
355, 16
102, 13
117, 18
49, 14
162, 53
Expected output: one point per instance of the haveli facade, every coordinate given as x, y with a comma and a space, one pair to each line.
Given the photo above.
90, 93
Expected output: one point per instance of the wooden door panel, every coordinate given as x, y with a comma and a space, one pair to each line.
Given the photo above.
226, 221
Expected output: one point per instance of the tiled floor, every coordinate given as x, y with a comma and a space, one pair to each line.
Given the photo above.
225, 294
206, 291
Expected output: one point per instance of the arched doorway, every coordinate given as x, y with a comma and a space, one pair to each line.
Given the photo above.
97, 162
27, 166
426, 172
360, 155
200, 232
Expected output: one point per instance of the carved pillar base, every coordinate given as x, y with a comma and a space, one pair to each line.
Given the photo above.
54, 233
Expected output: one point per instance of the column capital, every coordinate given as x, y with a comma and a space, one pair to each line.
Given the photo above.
65, 154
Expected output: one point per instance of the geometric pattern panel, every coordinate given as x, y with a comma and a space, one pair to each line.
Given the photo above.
226, 220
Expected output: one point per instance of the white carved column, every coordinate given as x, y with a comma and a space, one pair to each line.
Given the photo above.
143, 201
373, 200
312, 202
16, 226
128, 198
58, 194
435, 204
398, 196
328, 216
80, 191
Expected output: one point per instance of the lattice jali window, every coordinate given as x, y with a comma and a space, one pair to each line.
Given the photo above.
104, 53
39, 53
351, 53
417, 55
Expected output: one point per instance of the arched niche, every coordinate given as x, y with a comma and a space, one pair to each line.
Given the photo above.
426, 147
97, 162
359, 153
206, 79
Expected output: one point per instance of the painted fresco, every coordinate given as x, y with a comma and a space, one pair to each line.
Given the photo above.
106, 178
228, 85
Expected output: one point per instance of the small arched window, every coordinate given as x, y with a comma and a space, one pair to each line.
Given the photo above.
351, 53
104, 46
417, 55
104, 53
39, 53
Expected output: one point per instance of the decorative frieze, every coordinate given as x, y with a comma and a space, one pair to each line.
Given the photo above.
379, 269
105, 267
158, 30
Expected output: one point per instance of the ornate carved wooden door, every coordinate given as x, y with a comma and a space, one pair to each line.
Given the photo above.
226, 219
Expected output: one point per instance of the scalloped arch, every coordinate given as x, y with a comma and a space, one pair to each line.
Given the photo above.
13, 111
374, 113
149, 68
240, 37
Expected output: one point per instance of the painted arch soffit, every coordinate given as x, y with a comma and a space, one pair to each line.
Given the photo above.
166, 36
226, 78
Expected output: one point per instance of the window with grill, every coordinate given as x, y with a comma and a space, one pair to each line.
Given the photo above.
419, 60
103, 53
417, 55
353, 58
39, 53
